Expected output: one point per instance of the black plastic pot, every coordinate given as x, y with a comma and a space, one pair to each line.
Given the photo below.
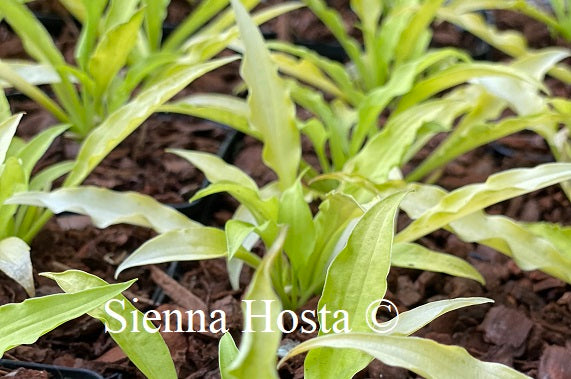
201, 210
56, 372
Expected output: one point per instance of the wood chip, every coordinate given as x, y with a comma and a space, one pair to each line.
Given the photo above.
505, 326
555, 363
179, 294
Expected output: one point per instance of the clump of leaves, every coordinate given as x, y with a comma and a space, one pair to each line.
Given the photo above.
17, 160
120, 49
24, 323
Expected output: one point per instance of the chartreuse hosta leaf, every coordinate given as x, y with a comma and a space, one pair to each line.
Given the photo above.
335, 70
474, 197
416, 34
261, 338
227, 353
295, 212
156, 12
307, 72
458, 74
39, 44
7, 132
225, 109
474, 132
356, 278
146, 350
400, 82
23, 323
335, 214
424, 357
335, 24
511, 42
196, 243
410, 255
35, 73
236, 233
15, 262
272, 112
558, 235
524, 97
112, 52
261, 208
529, 250
387, 148
32, 151
14, 79
126, 119
215, 169
107, 207
413, 320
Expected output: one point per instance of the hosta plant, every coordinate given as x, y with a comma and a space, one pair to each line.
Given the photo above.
120, 49
342, 253
17, 161
24, 323
116, 54
513, 43
394, 72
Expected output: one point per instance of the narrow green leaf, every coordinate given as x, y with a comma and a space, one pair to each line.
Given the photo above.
119, 12
336, 212
31, 153
357, 278
236, 233
112, 51
459, 74
558, 235
471, 198
262, 209
261, 336
89, 31
227, 353
529, 251
106, 207
191, 244
524, 97
215, 169
224, 109
388, 147
424, 357
272, 111
12, 180
14, 79
7, 132
295, 212
156, 12
335, 24
43, 180
419, 25
34, 73
410, 255
203, 12
27, 321
126, 119
415, 319
147, 351
35, 37
335, 70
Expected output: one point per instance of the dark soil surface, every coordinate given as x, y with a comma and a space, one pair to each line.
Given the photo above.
528, 327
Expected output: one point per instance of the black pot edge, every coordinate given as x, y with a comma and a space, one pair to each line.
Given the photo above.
59, 372
201, 210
